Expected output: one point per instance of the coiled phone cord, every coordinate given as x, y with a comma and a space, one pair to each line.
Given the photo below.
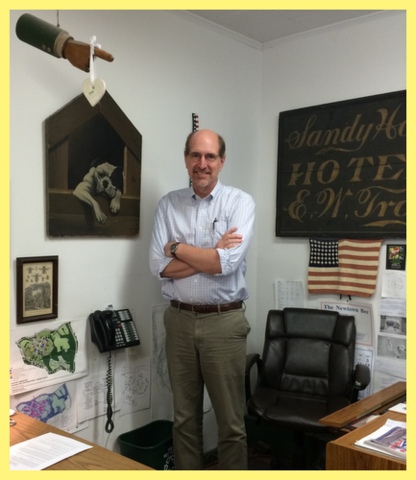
109, 426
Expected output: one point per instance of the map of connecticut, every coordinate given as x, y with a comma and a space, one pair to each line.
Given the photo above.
47, 405
52, 350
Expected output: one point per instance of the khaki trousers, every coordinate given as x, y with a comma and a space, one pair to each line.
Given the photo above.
207, 349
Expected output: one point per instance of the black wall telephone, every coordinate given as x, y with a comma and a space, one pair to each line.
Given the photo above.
113, 329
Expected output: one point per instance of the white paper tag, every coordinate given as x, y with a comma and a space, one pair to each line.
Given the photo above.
93, 91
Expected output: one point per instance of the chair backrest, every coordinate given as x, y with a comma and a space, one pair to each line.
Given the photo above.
309, 351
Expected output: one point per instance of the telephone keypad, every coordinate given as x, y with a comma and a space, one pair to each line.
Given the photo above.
126, 332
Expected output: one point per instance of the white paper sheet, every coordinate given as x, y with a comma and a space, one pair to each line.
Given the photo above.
288, 293
42, 451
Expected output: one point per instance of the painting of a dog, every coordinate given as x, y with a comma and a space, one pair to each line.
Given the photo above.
106, 180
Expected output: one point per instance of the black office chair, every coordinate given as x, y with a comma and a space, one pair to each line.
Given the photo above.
306, 372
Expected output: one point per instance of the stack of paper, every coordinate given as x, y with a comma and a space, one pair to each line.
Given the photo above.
389, 439
42, 451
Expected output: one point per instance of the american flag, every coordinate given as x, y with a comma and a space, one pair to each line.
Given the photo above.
345, 266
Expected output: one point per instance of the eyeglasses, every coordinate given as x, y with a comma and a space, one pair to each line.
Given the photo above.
196, 156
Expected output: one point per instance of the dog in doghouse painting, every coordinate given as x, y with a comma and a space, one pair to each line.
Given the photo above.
102, 179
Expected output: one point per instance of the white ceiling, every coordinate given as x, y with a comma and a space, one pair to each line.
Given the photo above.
264, 26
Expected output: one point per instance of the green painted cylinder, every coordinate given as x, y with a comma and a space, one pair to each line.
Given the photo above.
41, 34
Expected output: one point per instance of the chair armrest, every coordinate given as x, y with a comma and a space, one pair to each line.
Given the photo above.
251, 360
361, 380
362, 377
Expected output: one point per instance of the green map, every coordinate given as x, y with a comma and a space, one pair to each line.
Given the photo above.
52, 350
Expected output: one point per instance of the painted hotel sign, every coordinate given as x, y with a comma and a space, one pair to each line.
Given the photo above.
342, 169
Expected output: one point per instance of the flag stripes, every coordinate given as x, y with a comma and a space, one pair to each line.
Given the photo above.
345, 266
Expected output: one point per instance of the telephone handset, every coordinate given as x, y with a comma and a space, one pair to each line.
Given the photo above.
113, 329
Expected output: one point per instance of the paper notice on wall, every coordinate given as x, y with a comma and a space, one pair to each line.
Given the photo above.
92, 397
394, 284
363, 318
47, 354
54, 405
393, 307
288, 293
364, 357
133, 380
162, 403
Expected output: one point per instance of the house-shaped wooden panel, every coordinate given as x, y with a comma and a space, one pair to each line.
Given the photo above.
93, 170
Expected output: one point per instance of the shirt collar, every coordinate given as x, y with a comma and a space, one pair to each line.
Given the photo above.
216, 190
212, 195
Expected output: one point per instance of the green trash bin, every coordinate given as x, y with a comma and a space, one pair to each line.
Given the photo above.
151, 445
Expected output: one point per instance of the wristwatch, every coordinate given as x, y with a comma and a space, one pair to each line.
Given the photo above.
173, 249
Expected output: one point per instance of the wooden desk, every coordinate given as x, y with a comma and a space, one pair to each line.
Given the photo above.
96, 458
342, 454
373, 404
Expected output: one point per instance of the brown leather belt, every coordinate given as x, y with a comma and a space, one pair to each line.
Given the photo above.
224, 307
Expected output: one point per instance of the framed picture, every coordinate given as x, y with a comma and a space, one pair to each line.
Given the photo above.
396, 257
342, 169
37, 288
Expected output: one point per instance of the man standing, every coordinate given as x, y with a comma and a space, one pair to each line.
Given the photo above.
200, 240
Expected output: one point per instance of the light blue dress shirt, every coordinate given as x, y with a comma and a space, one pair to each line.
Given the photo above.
184, 217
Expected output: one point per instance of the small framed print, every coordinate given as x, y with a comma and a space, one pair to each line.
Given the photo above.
396, 257
37, 288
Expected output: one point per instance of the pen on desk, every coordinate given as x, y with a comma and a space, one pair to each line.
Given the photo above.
214, 222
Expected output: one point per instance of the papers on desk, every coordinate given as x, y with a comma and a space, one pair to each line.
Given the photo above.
42, 451
389, 439
400, 407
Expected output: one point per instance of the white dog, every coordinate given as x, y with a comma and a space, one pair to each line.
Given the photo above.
104, 179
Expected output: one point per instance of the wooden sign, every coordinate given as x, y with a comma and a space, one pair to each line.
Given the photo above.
93, 170
342, 169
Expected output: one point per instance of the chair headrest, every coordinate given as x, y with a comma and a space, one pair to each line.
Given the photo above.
311, 323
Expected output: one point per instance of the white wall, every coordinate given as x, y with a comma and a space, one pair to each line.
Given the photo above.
356, 59
165, 68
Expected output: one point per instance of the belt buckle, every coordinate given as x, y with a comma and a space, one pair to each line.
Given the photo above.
193, 311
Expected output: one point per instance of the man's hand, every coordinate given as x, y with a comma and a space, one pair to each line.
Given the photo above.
57, 42
230, 239
198, 260
78, 54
